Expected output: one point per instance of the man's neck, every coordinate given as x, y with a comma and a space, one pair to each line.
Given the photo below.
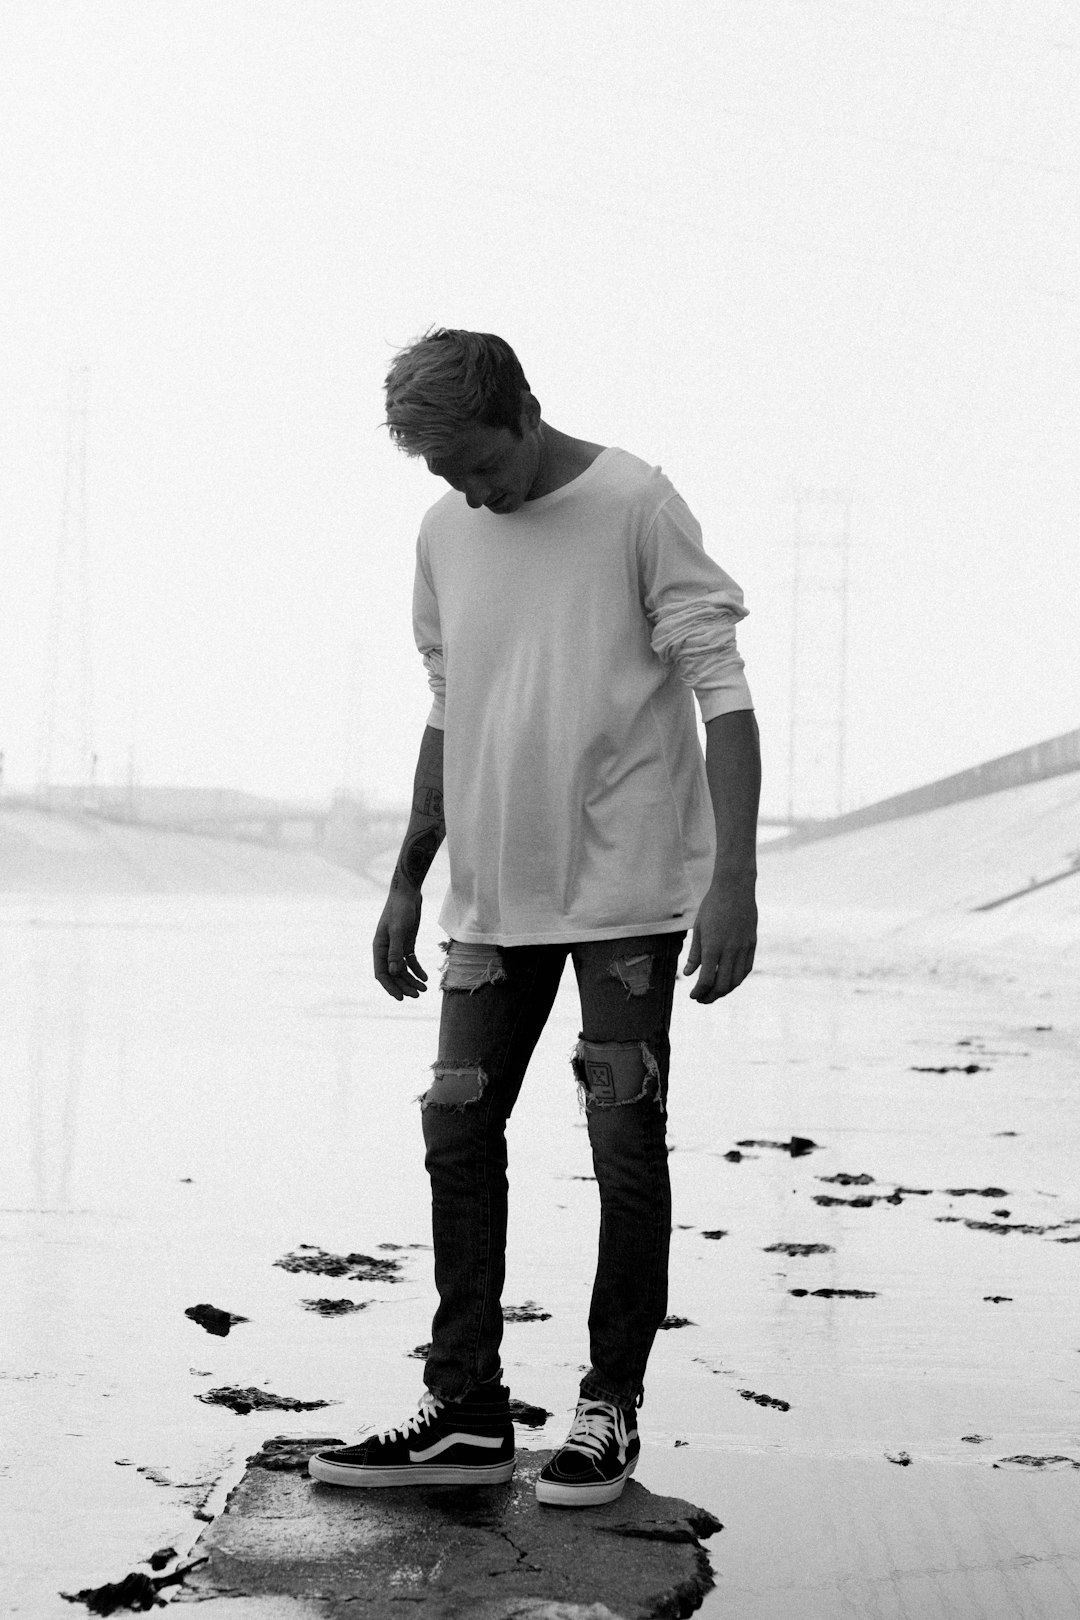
562, 459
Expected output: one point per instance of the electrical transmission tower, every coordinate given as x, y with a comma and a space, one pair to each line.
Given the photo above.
817, 738
65, 750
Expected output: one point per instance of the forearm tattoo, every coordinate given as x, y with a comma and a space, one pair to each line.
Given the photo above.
417, 854
428, 801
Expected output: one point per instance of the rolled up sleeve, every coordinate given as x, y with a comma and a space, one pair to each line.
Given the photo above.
428, 634
692, 607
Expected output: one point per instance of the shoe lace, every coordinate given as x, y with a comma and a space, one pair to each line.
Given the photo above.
594, 1424
429, 1405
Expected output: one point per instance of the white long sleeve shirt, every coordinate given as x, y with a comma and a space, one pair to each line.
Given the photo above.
562, 642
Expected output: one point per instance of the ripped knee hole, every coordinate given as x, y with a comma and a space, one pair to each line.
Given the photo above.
613, 1074
456, 1086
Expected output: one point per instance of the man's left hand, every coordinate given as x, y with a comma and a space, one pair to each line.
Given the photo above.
724, 940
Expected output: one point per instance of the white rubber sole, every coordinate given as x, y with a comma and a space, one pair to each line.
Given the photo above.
556, 1495
331, 1473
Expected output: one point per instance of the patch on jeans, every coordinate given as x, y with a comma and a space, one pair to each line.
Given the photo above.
469, 967
611, 1074
456, 1085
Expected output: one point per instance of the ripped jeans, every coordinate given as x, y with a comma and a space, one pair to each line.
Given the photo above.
496, 1000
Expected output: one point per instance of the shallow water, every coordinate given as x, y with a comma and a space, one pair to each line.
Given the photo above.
195, 1086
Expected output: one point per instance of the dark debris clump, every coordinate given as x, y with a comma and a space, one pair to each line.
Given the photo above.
795, 1249
863, 1201
1025, 1460
833, 1293
976, 1192
949, 1068
360, 1267
530, 1417
335, 1307
213, 1319
797, 1146
1001, 1228
765, 1400
251, 1399
136, 1591
530, 1311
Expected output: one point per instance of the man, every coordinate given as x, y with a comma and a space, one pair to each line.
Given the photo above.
564, 607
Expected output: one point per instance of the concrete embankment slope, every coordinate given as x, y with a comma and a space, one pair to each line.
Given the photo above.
47, 852
999, 869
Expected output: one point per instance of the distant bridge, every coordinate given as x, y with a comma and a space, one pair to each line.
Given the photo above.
345, 832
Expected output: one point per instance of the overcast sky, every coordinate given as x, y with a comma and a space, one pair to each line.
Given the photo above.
766, 244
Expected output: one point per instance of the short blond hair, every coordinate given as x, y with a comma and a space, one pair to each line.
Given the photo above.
447, 382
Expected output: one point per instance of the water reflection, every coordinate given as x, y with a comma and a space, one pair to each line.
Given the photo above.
53, 1075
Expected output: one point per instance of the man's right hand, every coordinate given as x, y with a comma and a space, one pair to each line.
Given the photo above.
396, 967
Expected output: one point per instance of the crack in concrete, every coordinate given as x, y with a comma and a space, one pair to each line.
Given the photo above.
522, 1555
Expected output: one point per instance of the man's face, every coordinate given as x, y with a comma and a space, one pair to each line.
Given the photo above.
491, 467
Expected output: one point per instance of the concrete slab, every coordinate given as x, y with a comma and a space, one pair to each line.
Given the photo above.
285, 1548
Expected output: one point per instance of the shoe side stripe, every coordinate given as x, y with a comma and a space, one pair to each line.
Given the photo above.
455, 1439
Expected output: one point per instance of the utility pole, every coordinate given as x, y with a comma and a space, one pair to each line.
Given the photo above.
65, 748
817, 734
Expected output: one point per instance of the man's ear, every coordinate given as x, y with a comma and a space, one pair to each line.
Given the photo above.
530, 412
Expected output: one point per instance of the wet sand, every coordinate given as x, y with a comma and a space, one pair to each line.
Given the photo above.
872, 1371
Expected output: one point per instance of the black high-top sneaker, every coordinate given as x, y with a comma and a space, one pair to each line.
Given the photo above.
466, 1442
596, 1459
